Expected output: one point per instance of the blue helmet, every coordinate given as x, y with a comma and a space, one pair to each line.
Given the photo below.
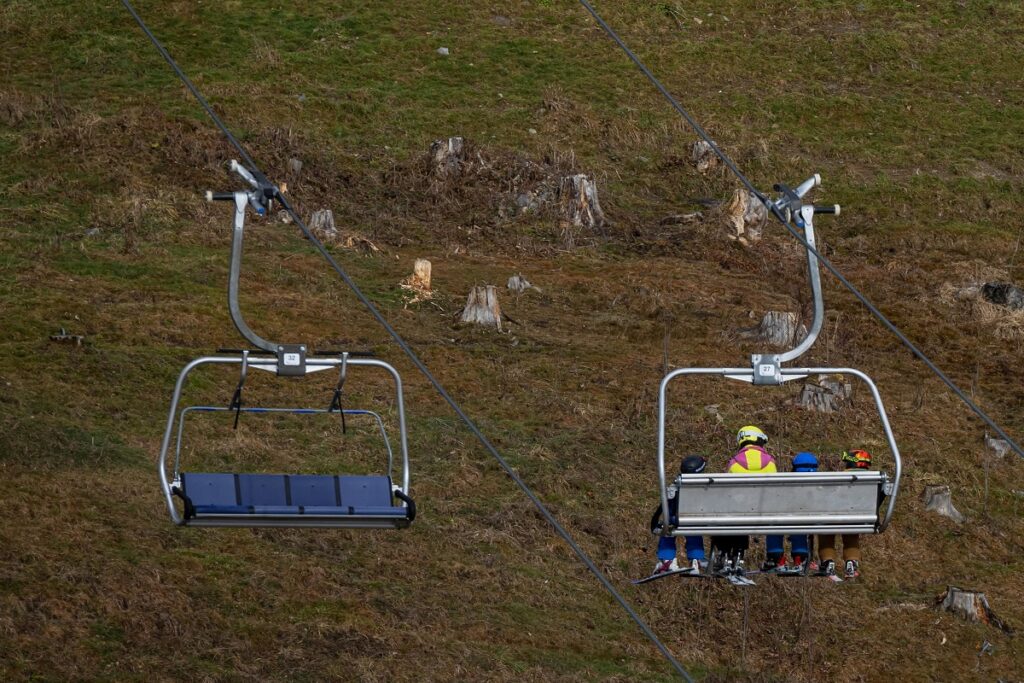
805, 462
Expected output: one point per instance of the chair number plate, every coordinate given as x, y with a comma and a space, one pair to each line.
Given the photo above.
292, 359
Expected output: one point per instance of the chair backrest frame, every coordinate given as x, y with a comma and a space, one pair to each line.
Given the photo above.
891, 485
312, 365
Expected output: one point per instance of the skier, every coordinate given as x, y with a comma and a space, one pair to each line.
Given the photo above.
751, 458
852, 459
799, 545
667, 562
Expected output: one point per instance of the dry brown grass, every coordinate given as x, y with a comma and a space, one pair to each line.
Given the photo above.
964, 297
96, 585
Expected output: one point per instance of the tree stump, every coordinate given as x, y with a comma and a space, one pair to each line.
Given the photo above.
322, 225
703, 157
826, 395
938, 498
998, 446
482, 307
360, 243
519, 284
778, 328
418, 284
971, 606
447, 156
745, 216
1004, 294
581, 210
63, 337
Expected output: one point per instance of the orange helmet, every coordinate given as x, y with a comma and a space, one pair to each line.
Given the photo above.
856, 458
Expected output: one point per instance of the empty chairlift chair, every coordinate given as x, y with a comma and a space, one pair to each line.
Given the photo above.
848, 502
234, 499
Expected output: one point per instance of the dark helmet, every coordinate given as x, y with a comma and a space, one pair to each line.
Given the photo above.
693, 464
805, 462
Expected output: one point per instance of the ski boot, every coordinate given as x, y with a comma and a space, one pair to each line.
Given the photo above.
852, 569
664, 566
693, 569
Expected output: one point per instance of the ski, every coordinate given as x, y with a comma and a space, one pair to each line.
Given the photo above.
684, 572
789, 571
739, 580
736, 579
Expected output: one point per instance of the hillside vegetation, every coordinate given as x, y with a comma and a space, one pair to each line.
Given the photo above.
912, 113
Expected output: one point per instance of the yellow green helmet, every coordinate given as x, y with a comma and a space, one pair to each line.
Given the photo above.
751, 436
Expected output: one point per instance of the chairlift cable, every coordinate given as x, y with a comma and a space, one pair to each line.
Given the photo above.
777, 213
343, 274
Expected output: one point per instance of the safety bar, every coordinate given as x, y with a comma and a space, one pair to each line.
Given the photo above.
742, 374
781, 529
791, 478
312, 365
289, 411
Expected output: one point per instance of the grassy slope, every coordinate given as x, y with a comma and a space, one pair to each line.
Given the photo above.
913, 116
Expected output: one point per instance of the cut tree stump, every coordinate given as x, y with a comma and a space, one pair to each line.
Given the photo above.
998, 446
418, 284
972, 606
745, 216
322, 225
938, 498
63, 337
447, 156
519, 284
482, 307
1004, 294
778, 328
703, 157
827, 394
581, 210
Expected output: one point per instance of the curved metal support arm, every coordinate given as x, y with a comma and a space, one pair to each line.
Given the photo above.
241, 200
741, 373
312, 365
814, 276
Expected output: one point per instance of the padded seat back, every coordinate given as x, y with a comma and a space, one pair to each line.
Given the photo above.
805, 502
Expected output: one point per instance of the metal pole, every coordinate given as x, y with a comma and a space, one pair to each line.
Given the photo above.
241, 200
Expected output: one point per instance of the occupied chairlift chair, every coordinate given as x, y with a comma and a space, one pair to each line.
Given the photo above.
280, 500
729, 504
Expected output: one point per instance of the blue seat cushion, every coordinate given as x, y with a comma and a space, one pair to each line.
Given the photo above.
288, 494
